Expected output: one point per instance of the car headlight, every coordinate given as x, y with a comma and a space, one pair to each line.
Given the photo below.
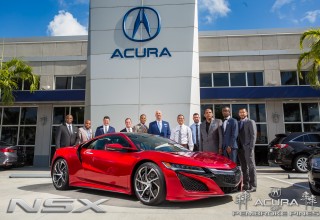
181, 167
315, 162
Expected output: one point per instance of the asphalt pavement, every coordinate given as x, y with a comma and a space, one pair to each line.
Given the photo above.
277, 197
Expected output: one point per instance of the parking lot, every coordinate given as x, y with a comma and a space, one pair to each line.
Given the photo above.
277, 197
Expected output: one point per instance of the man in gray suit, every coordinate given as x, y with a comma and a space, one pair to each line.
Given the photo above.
211, 133
67, 134
246, 141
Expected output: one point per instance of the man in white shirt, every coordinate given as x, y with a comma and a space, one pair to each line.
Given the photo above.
128, 127
182, 134
195, 128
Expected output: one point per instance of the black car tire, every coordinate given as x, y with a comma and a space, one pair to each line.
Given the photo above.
286, 168
314, 192
149, 184
60, 175
300, 163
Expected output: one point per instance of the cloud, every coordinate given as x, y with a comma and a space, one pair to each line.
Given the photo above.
214, 8
311, 16
279, 4
64, 24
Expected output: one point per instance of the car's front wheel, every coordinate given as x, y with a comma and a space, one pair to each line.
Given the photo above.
60, 175
149, 184
300, 163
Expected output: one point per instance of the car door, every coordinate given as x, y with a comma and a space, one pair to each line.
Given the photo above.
314, 141
106, 166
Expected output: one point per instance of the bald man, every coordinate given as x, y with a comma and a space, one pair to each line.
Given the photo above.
159, 127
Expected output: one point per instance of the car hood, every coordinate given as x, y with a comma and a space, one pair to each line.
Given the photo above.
203, 159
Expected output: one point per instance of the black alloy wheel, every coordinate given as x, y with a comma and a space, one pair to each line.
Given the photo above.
149, 184
60, 175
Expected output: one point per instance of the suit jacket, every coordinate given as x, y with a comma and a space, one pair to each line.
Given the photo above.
64, 138
139, 128
230, 135
100, 130
247, 134
212, 140
83, 135
165, 129
125, 130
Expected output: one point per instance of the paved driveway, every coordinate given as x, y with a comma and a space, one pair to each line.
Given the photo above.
277, 195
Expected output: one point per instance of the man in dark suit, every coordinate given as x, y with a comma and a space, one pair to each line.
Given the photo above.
128, 127
67, 134
105, 128
230, 135
210, 133
159, 127
246, 141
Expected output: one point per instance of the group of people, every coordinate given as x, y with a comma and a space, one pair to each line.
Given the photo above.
229, 137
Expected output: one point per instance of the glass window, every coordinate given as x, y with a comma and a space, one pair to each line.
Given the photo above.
59, 114
258, 112
289, 78
302, 138
291, 112
218, 110
11, 116
220, 79
206, 80
78, 115
79, 82
255, 79
28, 116
238, 79
310, 112
53, 136
311, 127
314, 138
9, 135
29, 155
293, 128
63, 82
235, 110
262, 136
303, 80
27, 135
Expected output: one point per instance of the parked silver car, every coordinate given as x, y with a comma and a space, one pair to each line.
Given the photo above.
11, 155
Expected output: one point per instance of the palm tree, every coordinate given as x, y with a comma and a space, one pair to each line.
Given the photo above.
312, 57
11, 73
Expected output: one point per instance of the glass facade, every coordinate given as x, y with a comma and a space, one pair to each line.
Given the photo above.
18, 126
301, 117
70, 82
232, 79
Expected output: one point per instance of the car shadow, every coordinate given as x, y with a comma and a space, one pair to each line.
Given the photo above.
123, 200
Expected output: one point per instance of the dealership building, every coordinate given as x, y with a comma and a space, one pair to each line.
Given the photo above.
124, 68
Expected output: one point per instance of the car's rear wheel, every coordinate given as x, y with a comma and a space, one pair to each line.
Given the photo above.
60, 175
149, 184
286, 168
300, 163
313, 191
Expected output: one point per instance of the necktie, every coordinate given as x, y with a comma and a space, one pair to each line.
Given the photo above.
180, 135
70, 130
88, 135
159, 126
197, 135
241, 124
105, 129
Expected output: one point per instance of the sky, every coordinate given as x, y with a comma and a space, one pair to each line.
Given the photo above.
37, 18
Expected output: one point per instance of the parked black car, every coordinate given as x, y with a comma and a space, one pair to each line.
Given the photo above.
11, 155
314, 173
291, 150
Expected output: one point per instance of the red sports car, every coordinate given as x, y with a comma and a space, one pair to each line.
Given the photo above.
152, 167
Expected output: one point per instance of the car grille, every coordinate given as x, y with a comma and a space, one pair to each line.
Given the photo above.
191, 184
227, 180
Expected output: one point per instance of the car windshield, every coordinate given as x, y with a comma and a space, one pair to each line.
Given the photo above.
155, 143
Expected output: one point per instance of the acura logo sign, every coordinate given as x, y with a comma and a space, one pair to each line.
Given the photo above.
141, 24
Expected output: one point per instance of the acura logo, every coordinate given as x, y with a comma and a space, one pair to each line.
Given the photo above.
141, 24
